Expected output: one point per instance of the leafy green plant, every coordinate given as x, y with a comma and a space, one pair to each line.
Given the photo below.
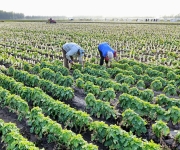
140, 84
134, 91
100, 108
13, 139
147, 95
119, 77
124, 88
177, 137
89, 87
138, 70
174, 114
160, 129
156, 85
26, 66
153, 73
80, 83
35, 69
171, 75
163, 81
170, 90
167, 102
132, 120
147, 79
10, 71
141, 107
107, 95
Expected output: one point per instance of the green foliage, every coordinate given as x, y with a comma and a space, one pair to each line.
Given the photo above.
150, 145
160, 129
177, 137
26, 66
58, 92
156, 85
140, 84
147, 95
134, 122
13, 139
161, 68
113, 72
77, 74
138, 70
100, 108
167, 102
89, 87
147, 79
153, 73
163, 81
134, 91
174, 114
42, 125
171, 75
10, 70
170, 90
107, 95
124, 88
80, 83
141, 107
35, 69
119, 77
96, 72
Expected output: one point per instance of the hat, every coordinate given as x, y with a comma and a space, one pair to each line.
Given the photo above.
110, 55
81, 51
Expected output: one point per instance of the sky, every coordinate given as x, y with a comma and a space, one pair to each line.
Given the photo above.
104, 8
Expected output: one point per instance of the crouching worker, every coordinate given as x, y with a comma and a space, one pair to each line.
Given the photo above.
69, 51
106, 53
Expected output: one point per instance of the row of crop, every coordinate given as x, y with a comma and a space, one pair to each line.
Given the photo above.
130, 118
152, 111
22, 55
167, 102
51, 107
59, 92
82, 82
14, 103
35, 127
126, 74
126, 78
130, 64
42, 125
56, 109
26, 65
60, 76
9, 59
13, 139
48, 74
115, 138
106, 95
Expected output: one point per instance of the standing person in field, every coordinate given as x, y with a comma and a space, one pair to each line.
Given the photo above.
69, 51
106, 53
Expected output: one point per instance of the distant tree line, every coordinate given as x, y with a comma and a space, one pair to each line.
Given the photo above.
10, 15
18, 16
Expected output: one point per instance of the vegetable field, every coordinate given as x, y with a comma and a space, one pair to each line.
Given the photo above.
134, 104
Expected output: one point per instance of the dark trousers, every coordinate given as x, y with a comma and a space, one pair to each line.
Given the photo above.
102, 58
66, 63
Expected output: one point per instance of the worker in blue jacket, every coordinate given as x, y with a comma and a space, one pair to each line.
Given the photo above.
69, 51
106, 52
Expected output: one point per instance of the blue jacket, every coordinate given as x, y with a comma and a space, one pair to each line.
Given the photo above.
104, 48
